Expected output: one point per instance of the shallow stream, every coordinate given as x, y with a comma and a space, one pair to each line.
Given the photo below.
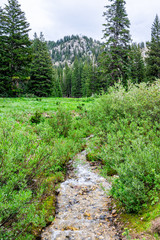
82, 206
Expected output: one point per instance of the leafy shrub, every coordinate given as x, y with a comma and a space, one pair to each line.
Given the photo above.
139, 178
80, 128
30, 167
128, 123
61, 122
36, 118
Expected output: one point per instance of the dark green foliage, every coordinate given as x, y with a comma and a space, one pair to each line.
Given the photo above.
114, 61
3, 65
78, 80
142, 45
67, 81
56, 88
86, 80
76, 88
17, 51
153, 54
137, 66
36, 118
41, 77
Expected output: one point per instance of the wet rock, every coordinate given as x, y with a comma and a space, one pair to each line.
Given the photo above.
114, 211
103, 217
156, 226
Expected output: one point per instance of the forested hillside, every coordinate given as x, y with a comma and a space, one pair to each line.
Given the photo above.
67, 49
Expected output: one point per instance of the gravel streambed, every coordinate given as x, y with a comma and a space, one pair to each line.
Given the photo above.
82, 206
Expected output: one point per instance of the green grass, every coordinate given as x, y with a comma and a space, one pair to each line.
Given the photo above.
30, 105
38, 137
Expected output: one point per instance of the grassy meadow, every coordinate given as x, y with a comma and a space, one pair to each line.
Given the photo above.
38, 136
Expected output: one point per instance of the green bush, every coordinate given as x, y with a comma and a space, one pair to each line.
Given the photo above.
61, 122
36, 118
28, 165
139, 179
128, 123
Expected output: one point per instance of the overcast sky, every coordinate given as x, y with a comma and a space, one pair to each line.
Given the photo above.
58, 18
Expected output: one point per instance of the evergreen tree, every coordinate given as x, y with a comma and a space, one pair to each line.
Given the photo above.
114, 62
17, 50
86, 80
60, 78
57, 90
41, 78
3, 57
137, 66
76, 90
67, 80
153, 58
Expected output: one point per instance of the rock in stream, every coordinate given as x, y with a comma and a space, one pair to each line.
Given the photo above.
82, 206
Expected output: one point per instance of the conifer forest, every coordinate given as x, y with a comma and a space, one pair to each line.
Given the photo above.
60, 98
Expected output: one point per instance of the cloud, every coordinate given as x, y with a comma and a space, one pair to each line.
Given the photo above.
75, 17
57, 18
142, 14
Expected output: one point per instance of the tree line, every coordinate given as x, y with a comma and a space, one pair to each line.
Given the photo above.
26, 67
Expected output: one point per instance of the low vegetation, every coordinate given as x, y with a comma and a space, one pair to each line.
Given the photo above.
37, 139
38, 136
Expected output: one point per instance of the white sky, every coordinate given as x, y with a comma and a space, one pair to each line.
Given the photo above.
58, 18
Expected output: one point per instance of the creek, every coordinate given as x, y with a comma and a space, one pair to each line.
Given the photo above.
83, 206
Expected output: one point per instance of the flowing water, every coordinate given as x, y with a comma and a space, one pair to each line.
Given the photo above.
82, 206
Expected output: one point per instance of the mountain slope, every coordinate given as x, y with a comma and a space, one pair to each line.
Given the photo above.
70, 47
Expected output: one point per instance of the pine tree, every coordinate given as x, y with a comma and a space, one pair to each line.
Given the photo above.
41, 78
60, 78
137, 66
67, 80
153, 58
18, 51
86, 79
57, 90
3, 58
76, 89
114, 62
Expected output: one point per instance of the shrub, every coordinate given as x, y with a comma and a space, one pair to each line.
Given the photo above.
130, 122
29, 169
139, 178
36, 118
61, 122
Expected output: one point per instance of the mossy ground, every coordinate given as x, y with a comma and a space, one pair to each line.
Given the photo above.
139, 225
